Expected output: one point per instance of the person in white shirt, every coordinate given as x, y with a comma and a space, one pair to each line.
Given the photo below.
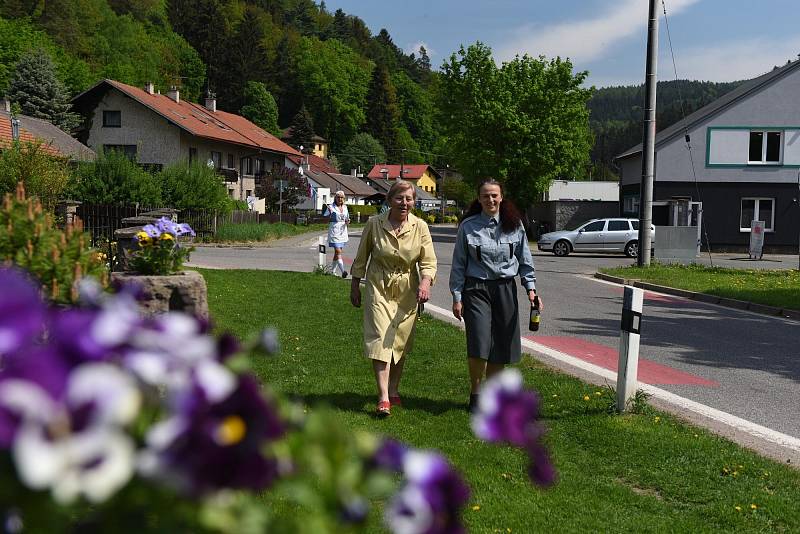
337, 231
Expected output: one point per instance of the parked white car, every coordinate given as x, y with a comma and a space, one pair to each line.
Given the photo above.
597, 235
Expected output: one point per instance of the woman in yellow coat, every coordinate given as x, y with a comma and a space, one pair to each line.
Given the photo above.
396, 256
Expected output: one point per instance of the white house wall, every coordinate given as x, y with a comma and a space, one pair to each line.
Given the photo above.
157, 140
569, 190
773, 107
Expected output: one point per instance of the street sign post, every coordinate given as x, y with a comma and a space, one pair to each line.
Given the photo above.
628, 366
756, 240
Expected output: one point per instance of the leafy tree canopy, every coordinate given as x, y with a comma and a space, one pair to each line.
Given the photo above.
43, 175
524, 123
295, 188
260, 107
192, 185
362, 152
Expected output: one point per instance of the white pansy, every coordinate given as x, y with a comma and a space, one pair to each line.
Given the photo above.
114, 393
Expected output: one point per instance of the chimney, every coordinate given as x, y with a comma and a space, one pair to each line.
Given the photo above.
15, 129
174, 94
211, 102
385, 173
149, 88
7, 105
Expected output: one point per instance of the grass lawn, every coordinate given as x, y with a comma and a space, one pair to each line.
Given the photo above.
257, 232
633, 473
774, 288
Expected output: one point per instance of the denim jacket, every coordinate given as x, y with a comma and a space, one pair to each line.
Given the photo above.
485, 252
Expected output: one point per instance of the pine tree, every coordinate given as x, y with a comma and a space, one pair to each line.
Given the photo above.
38, 91
302, 130
383, 112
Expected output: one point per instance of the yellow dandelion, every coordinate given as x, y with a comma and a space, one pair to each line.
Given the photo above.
598, 393
657, 419
738, 508
753, 506
554, 395
586, 397
476, 508
697, 435
735, 473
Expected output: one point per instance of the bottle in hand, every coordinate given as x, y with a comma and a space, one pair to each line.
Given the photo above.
536, 317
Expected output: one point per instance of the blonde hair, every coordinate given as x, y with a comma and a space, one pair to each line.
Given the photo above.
400, 185
339, 193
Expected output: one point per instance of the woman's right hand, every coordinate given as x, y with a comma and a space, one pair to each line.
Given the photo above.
458, 307
355, 292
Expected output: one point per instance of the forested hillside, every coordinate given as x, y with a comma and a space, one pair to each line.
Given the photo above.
276, 60
616, 114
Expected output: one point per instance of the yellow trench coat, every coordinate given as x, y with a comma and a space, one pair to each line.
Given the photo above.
396, 264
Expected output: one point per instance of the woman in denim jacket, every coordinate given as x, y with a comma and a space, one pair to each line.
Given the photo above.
491, 249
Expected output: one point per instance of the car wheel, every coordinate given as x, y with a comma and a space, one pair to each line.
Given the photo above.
561, 248
632, 249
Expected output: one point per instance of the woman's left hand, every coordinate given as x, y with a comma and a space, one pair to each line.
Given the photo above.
424, 290
532, 296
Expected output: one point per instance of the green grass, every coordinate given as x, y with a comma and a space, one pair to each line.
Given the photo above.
257, 232
632, 473
779, 288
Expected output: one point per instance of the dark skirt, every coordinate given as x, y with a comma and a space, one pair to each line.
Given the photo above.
491, 319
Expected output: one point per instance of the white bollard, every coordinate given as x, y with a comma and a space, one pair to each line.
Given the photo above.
628, 367
322, 252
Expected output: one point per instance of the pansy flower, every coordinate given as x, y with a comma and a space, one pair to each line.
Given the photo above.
22, 313
75, 444
216, 438
166, 225
432, 500
506, 412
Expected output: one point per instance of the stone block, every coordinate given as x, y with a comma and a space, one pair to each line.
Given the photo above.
185, 292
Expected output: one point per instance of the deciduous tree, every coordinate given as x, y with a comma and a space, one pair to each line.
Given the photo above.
525, 122
260, 107
362, 152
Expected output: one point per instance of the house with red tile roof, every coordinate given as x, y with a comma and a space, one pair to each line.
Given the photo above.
49, 137
324, 180
423, 175
158, 129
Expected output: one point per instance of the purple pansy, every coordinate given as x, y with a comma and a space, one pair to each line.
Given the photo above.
166, 225
185, 229
74, 444
22, 313
152, 231
390, 455
508, 413
432, 500
217, 438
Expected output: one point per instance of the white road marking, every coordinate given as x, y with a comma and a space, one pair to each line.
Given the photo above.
743, 425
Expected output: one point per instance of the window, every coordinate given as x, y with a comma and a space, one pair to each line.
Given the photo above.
248, 193
128, 150
259, 165
757, 209
231, 162
596, 226
765, 147
276, 166
192, 154
248, 166
635, 225
630, 204
216, 157
230, 193
617, 226
112, 119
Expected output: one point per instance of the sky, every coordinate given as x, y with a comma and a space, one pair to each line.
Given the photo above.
714, 40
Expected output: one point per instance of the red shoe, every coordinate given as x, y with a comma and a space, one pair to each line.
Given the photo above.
383, 409
395, 400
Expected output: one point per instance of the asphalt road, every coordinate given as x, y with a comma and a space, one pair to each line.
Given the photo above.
739, 362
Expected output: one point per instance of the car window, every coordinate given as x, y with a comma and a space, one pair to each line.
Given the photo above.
596, 226
635, 225
618, 226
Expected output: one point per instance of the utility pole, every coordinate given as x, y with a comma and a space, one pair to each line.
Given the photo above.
444, 195
402, 163
649, 141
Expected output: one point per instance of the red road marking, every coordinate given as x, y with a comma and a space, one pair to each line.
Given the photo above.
649, 372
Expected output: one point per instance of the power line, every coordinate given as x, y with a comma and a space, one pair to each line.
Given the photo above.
686, 136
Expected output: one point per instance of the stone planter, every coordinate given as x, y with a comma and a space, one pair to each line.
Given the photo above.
185, 292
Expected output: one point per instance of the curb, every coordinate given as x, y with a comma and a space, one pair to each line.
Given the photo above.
754, 307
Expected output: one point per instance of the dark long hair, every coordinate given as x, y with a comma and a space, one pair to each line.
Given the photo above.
510, 217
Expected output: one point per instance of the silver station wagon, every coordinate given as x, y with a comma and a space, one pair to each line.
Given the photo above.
597, 235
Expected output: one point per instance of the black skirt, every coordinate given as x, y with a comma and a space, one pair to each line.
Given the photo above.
491, 319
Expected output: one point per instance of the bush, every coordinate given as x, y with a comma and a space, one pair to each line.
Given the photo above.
193, 185
365, 211
57, 259
113, 178
44, 176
